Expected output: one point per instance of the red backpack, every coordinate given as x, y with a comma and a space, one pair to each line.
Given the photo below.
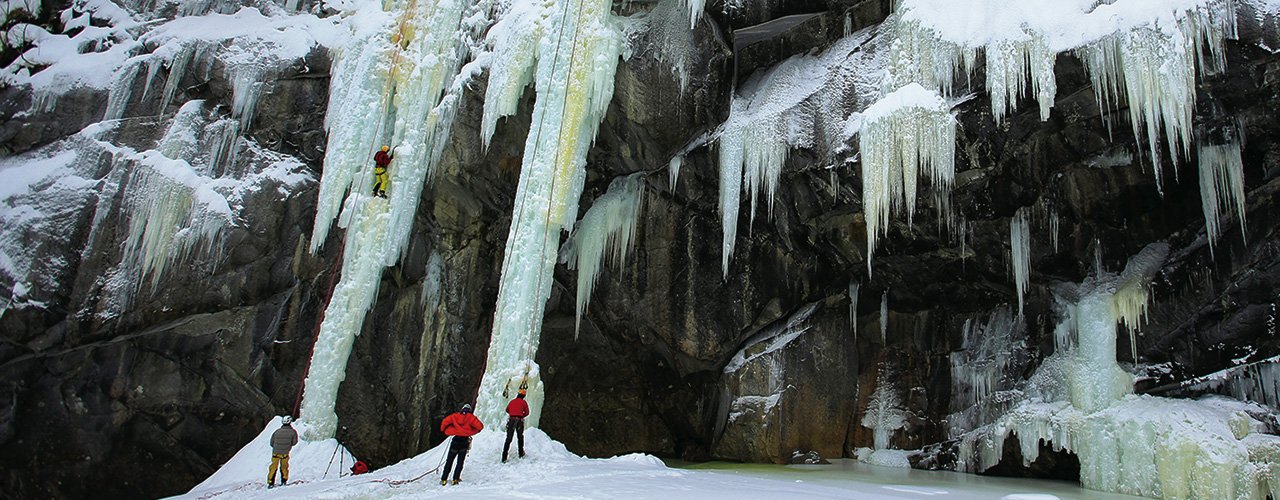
359, 468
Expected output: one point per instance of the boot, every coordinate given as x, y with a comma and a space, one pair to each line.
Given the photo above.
271, 485
456, 481
443, 482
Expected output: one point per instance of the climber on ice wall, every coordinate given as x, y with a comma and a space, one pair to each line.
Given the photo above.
461, 426
381, 160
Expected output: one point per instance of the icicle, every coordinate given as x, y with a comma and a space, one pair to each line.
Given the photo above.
673, 170
695, 11
1129, 305
671, 39
515, 50
752, 154
608, 227
884, 317
173, 213
1020, 246
121, 91
854, 288
908, 131
1010, 64
576, 60
1054, 229
1221, 187
1156, 67
177, 70
153, 68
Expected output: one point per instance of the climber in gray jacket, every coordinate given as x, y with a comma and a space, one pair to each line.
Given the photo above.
282, 440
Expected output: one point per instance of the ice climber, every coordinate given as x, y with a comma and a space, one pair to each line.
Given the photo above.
461, 426
517, 410
282, 440
381, 160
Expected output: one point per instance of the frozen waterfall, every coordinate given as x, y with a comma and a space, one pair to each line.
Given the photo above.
578, 45
395, 81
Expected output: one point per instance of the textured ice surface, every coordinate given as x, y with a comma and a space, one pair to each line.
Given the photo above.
1020, 247
1221, 187
1080, 400
578, 47
607, 229
908, 134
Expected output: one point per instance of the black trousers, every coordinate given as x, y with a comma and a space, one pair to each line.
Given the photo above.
458, 452
515, 427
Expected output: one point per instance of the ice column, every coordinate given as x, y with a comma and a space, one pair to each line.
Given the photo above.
608, 227
884, 412
577, 55
344, 316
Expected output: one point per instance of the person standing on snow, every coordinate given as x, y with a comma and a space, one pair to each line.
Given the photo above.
381, 160
517, 410
461, 426
282, 441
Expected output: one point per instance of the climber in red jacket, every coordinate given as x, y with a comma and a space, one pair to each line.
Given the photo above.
517, 410
461, 426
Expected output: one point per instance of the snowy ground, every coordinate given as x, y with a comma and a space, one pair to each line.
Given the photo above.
551, 471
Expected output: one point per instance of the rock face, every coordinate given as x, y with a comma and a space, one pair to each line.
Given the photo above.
673, 358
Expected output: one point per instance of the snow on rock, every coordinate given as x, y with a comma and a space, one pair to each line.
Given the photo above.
608, 228
246, 472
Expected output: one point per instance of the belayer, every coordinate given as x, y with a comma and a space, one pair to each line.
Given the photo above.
282, 441
517, 410
461, 426
381, 160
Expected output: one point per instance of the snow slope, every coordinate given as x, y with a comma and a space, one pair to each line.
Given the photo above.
551, 471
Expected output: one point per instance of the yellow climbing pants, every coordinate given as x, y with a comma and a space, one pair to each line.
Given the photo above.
379, 180
281, 462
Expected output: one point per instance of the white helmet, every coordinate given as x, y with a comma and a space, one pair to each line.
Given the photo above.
286, 420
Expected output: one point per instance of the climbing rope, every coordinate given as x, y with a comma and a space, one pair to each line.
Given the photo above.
529, 350
384, 101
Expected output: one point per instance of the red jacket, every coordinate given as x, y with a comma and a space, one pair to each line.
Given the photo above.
518, 408
461, 424
381, 159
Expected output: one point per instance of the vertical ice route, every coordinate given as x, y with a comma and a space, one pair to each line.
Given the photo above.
411, 76
576, 60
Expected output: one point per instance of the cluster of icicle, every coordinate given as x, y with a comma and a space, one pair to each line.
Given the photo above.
569, 51
908, 134
395, 84
1149, 64
608, 228
1080, 400
173, 211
